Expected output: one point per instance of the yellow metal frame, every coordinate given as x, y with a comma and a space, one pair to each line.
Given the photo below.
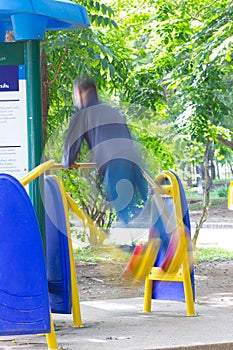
51, 337
86, 219
230, 196
36, 172
33, 174
40, 169
74, 284
179, 269
67, 201
180, 266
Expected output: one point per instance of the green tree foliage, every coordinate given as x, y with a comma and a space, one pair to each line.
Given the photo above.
86, 51
167, 65
97, 51
173, 58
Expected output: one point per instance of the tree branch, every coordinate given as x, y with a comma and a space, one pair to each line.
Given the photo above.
59, 67
225, 141
205, 206
203, 8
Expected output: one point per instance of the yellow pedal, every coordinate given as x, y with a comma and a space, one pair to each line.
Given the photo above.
141, 261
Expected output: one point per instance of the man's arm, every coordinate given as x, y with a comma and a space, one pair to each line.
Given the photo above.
73, 142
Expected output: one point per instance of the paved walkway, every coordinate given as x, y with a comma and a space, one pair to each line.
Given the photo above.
121, 324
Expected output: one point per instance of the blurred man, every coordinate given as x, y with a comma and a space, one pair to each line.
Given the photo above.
112, 149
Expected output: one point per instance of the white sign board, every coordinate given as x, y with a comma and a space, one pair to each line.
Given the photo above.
13, 121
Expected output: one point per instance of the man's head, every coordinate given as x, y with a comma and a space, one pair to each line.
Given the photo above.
85, 93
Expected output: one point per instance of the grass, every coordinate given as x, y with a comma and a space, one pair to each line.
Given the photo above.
223, 181
199, 197
89, 255
213, 203
92, 255
212, 254
214, 193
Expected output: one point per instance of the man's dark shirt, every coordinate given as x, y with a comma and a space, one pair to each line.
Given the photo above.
112, 149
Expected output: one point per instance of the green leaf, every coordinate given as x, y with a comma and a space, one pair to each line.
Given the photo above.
99, 21
106, 21
97, 6
104, 8
166, 40
114, 23
228, 57
104, 63
111, 70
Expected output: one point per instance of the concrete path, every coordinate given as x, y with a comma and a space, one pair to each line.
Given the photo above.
121, 324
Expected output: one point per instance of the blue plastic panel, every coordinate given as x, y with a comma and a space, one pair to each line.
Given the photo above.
164, 290
31, 18
24, 302
57, 249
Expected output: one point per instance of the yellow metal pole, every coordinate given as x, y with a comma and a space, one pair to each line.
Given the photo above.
74, 284
74, 287
182, 254
51, 337
87, 220
148, 295
188, 291
76, 166
230, 196
34, 173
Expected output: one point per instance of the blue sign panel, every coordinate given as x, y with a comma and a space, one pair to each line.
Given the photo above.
9, 78
13, 120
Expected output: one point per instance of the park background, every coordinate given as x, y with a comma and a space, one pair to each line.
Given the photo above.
168, 68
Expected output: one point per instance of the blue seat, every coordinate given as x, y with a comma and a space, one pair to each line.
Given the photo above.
57, 249
24, 301
165, 290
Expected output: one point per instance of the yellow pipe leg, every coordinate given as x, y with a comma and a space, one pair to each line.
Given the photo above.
51, 337
188, 287
74, 284
148, 295
74, 288
230, 196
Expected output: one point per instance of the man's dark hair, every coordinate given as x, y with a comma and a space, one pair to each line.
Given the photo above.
85, 83
88, 84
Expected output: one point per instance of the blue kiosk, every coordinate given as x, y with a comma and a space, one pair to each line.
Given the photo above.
22, 220
20, 81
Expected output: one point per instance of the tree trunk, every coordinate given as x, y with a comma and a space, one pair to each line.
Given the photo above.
218, 173
231, 168
206, 195
212, 167
199, 180
189, 177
